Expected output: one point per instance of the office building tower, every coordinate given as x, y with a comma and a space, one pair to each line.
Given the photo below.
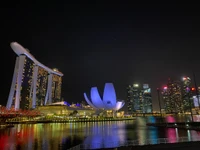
146, 103
41, 86
172, 96
166, 99
187, 94
139, 99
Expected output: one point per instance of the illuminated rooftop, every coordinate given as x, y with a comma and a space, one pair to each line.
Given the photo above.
20, 50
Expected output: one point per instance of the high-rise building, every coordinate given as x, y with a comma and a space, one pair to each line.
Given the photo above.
180, 96
56, 87
33, 83
186, 94
176, 96
166, 99
146, 103
41, 86
133, 98
196, 98
139, 98
42, 81
26, 84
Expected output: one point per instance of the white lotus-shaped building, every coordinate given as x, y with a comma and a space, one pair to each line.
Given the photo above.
109, 100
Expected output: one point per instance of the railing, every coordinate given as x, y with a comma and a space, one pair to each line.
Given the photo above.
135, 143
64, 120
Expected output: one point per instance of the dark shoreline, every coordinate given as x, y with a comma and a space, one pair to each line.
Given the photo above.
195, 145
192, 145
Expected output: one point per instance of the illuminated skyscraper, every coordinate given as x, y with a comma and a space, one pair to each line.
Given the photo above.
146, 103
187, 94
172, 97
41, 89
179, 96
139, 99
175, 96
26, 80
133, 98
166, 99
25, 101
56, 87
33, 83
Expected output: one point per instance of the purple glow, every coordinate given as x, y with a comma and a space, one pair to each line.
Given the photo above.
119, 105
66, 103
78, 105
109, 96
109, 138
195, 100
95, 97
88, 101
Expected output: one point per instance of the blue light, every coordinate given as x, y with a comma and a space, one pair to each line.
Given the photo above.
95, 97
109, 96
78, 105
151, 119
109, 100
66, 103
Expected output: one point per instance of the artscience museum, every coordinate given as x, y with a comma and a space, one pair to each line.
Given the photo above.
107, 102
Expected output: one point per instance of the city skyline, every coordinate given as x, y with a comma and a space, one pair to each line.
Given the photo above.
175, 94
123, 44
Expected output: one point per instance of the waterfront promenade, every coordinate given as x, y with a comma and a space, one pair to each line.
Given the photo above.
62, 120
181, 143
169, 146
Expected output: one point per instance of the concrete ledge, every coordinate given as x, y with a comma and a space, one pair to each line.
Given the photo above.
170, 146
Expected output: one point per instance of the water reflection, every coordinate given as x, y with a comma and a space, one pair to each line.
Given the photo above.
152, 131
146, 133
93, 135
173, 134
106, 135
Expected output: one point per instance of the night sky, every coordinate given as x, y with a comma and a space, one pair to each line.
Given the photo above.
97, 43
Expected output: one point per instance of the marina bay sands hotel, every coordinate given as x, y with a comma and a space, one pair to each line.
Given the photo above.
33, 84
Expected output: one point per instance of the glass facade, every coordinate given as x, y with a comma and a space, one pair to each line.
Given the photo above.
139, 99
177, 96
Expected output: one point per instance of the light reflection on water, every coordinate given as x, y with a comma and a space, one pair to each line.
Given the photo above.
98, 135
